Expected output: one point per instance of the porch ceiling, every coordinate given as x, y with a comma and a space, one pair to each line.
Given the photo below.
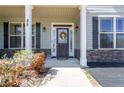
41, 11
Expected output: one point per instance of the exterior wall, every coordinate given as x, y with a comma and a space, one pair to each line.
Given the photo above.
45, 22
93, 55
100, 55
77, 53
1, 35
98, 11
89, 33
96, 55
89, 36
46, 36
77, 35
77, 39
105, 55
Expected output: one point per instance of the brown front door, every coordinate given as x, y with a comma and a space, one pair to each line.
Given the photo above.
62, 42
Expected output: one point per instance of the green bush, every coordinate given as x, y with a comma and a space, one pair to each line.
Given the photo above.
23, 56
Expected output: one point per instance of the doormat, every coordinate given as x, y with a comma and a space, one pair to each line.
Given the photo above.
62, 58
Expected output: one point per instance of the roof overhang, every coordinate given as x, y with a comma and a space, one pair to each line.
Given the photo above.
40, 11
105, 9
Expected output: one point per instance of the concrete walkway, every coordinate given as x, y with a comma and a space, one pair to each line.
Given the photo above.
53, 62
68, 77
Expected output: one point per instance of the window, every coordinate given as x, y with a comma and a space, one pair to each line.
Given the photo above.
33, 35
111, 32
120, 32
106, 40
17, 36
120, 25
106, 24
106, 32
120, 40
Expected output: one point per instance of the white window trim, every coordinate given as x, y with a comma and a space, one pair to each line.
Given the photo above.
114, 32
34, 36
14, 35
21, 35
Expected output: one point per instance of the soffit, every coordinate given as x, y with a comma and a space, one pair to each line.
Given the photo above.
40, 11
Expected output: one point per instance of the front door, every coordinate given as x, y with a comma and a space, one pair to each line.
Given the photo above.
62, 42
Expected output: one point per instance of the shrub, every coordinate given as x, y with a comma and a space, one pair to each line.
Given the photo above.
23, 57
10, 75
13, 71
38, 61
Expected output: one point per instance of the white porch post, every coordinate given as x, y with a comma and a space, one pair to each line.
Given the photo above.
83, 58
28, 27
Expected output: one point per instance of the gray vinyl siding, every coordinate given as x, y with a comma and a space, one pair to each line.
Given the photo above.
46, 36
96, 11
45, 39
1, 35
89, 32
77, 35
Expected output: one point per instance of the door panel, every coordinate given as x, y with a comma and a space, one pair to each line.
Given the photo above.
62, 42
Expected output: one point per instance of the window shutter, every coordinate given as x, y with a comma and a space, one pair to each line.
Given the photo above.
38, 29
6, 34
95, 32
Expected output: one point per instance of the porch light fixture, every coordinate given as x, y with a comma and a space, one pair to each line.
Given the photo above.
44, 29
76, 28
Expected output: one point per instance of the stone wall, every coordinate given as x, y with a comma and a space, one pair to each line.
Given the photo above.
77, 53
96, 55
105, 55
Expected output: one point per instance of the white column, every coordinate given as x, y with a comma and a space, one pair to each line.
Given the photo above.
28, 27
83, 58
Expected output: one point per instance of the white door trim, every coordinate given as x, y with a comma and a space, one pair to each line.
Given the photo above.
53, 38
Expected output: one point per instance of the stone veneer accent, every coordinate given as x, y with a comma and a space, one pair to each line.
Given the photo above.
105, 55
96, 55
9, 52
47, 51
77, 53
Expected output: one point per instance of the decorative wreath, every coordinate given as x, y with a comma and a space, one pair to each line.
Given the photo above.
61, 35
